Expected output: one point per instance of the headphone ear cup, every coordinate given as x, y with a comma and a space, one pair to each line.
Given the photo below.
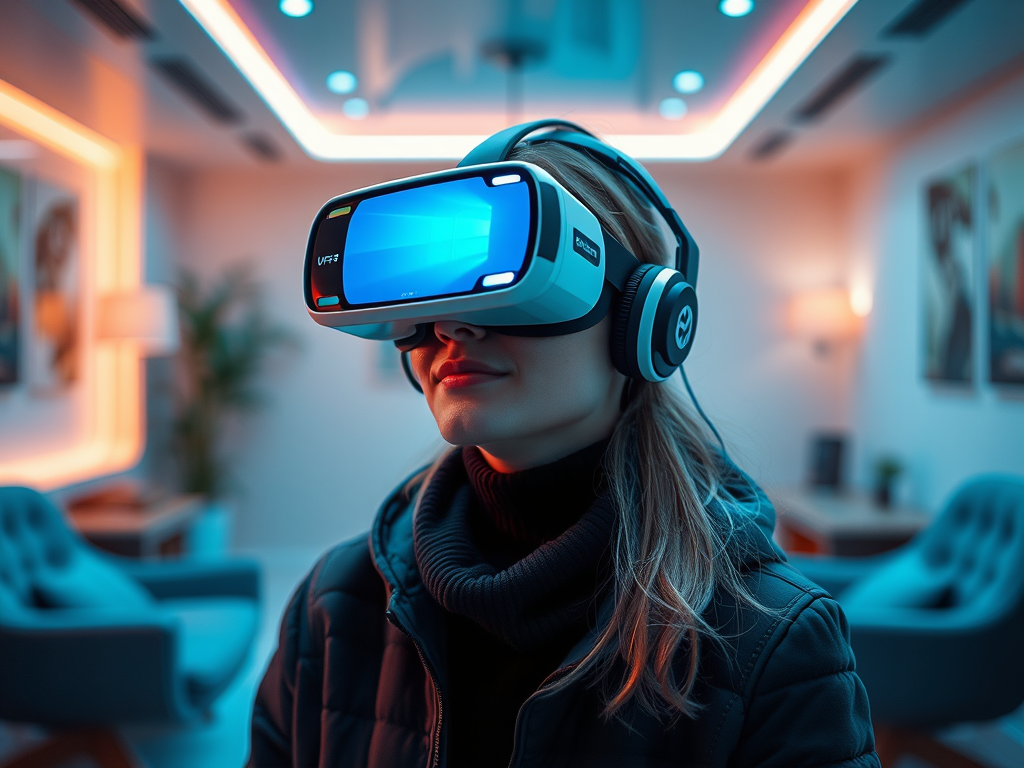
623, 350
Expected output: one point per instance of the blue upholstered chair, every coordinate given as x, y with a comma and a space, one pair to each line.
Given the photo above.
90, 641
938, 625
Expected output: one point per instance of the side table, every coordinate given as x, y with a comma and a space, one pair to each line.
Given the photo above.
154, 530
850, 524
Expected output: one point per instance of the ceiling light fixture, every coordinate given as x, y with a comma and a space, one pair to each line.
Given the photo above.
355, 109
672, 108
223, 24
296, 8
341, 81
736, 8
688, 81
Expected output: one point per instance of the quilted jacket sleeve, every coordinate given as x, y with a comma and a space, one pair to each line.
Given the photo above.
271, 745
808, 707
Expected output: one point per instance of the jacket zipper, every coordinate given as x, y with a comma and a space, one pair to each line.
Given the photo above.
436, 748
540, 692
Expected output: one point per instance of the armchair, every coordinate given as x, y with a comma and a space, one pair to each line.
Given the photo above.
90, 641
938, 625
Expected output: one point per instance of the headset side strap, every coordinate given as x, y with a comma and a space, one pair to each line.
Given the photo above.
619, 262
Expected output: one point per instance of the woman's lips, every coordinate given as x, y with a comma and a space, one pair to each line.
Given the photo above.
453, 374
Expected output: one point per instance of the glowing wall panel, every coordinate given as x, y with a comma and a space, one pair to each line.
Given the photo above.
113, 437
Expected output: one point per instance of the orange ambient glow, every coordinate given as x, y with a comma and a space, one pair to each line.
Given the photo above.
823, 316
113, 438
223, 24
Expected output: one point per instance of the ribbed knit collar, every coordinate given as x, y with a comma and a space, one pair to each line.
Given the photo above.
530, 507
523, 554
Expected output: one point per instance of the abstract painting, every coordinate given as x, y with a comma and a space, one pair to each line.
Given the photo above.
10, 258
1006, 266
54, 354
949, 276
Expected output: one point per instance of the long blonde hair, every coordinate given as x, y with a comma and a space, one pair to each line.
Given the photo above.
667, 482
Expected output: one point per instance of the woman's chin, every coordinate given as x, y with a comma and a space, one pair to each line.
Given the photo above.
464, 427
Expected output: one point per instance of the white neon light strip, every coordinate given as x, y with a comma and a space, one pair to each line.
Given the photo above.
502, 278
221, 22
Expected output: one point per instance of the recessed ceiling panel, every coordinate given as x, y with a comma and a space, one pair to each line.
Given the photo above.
450, 73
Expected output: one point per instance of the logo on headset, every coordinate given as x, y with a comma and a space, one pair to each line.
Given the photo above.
331, 259
684, 327
586, 247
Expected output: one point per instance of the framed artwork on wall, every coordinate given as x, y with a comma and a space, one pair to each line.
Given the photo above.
54, 352
948, 277
10, 260
1006, 266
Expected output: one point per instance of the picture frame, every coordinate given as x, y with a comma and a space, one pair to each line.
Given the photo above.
948, 305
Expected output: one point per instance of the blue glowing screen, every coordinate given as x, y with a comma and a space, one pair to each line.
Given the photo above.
435, 240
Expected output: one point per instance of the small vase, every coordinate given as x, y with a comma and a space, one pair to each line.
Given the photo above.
883, 495
210, 535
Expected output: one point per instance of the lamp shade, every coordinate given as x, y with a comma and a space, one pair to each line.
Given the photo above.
147, 316
823, 316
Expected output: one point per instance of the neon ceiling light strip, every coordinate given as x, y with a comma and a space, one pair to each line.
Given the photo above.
806, 32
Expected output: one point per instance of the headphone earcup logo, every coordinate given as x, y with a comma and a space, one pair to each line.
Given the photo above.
684, 327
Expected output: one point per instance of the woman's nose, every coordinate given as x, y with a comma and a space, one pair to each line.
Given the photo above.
455, 330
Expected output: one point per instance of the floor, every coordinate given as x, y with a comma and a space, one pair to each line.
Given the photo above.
223, 742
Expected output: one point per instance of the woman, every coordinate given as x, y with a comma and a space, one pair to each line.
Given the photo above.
582, 581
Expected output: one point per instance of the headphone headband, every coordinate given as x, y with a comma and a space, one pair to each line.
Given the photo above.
497, 148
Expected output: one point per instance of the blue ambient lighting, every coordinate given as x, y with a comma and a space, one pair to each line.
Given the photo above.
736, 8
296, 8
672, 108
341, 82
356, 109
688, 81
436, 240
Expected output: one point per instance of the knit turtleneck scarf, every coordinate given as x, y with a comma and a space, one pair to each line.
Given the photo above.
523, 553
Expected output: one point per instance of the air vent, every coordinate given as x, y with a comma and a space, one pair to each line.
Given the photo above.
194, 85
921, 17
771, 145
840, 86
120, 19
261, 146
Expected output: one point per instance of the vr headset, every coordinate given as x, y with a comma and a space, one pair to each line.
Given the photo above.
502, 245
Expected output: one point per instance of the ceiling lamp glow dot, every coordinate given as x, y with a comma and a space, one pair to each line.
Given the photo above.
356, 109
341, 82
688, 81
672, 108
736, 8
296, 8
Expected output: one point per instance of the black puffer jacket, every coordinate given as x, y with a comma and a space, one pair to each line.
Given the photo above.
359, 676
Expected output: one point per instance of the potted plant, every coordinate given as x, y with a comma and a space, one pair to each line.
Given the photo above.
226, 338
887, 470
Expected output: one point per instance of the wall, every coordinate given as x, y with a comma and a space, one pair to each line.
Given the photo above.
164, 230
944, 434
315, 465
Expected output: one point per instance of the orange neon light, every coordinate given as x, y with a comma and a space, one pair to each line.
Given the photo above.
228, 30
114, 435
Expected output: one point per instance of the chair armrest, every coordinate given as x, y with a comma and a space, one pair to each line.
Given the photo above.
836, 574
82, 667
187, 578
928, 669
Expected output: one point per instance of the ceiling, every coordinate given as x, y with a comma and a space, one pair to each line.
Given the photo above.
429, 67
